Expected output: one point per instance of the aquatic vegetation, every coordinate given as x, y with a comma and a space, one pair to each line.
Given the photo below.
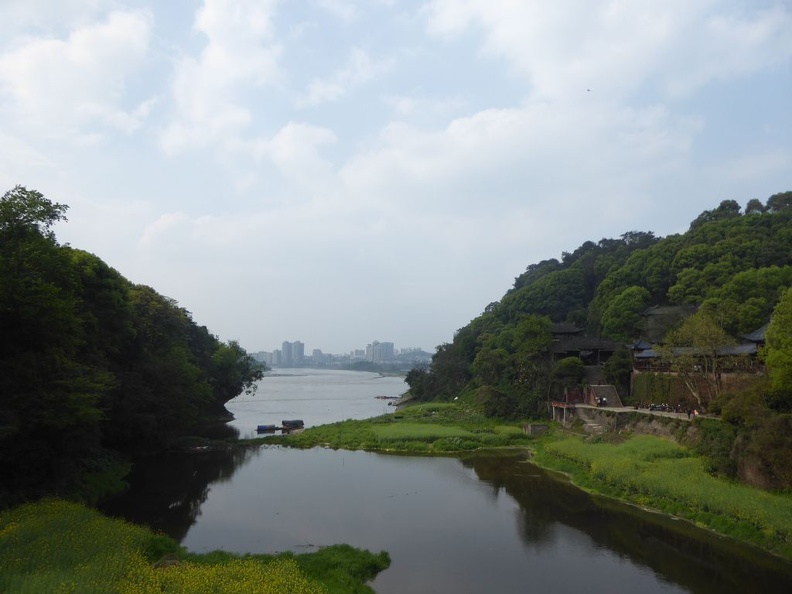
61, 547
663, 475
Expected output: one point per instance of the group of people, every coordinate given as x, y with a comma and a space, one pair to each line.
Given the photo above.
662, 407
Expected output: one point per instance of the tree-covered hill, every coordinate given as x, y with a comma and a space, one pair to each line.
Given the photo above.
90, 363
732, 263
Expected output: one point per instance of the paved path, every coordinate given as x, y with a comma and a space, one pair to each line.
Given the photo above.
627, 409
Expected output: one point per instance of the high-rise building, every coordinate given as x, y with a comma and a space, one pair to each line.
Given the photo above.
298, 353
380, 352
318, 357
286, 354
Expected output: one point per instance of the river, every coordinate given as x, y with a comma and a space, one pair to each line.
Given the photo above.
484, 523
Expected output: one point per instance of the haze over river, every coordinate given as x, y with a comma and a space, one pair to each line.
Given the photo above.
486, 523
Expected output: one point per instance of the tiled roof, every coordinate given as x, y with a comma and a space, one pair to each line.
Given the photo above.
583, 343
757, 335
737, 349
565, 328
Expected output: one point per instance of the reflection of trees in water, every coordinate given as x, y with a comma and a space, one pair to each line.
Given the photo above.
541, 499
167, 492
674, 549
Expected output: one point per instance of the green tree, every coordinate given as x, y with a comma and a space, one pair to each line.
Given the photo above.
234, 372
569, 372
49, 397
420, 381
617, 370
779, 202
492, 366
726, 209
622, 316
450, 367
778, 352
695, 352
24, 212
755, 206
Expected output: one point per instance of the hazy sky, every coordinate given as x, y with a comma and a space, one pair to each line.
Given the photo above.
338, 171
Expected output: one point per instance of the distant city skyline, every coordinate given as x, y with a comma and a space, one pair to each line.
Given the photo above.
292, 354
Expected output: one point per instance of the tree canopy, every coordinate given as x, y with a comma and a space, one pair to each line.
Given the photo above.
778, 351
91, 363
733, 265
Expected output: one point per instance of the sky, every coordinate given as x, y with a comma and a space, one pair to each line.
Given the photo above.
338, 171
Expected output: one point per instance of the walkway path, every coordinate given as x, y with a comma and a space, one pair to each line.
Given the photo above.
627, 409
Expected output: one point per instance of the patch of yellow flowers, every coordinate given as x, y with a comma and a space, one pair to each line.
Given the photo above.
236, 577
65, 548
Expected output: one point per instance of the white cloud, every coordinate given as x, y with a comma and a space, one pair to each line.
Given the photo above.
410, 106
342, 173
491, 159
359, 69
755, 167
162, 227
240, 54
47, 15
343, 9
614, 48
19, 160
58, 87
294, 149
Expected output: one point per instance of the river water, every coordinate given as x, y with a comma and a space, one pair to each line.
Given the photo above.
485, 523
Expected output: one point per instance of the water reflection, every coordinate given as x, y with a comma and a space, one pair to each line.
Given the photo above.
676, 551
167, 492
486, 523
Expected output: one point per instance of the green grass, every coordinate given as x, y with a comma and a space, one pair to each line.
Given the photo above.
416, 431
426, 428
59, 547
660, 474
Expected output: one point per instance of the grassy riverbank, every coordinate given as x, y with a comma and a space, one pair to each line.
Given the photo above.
59, 547
437, 428
652, 472
658, 474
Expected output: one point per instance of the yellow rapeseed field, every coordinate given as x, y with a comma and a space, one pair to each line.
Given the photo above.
64, 548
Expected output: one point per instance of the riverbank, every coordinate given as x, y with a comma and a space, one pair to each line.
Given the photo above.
435, 428
56, 546
650, 471
659, 475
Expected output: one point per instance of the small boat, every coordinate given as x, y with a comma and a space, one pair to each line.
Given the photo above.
266, 428
294, 424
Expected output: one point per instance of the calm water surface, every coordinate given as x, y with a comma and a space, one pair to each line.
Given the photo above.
489, 523
318, 397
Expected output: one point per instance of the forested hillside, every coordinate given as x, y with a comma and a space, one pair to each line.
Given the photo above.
91, 364
732, 265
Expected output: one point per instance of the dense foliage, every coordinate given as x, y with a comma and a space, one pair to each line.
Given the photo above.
732, 266
90, 363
